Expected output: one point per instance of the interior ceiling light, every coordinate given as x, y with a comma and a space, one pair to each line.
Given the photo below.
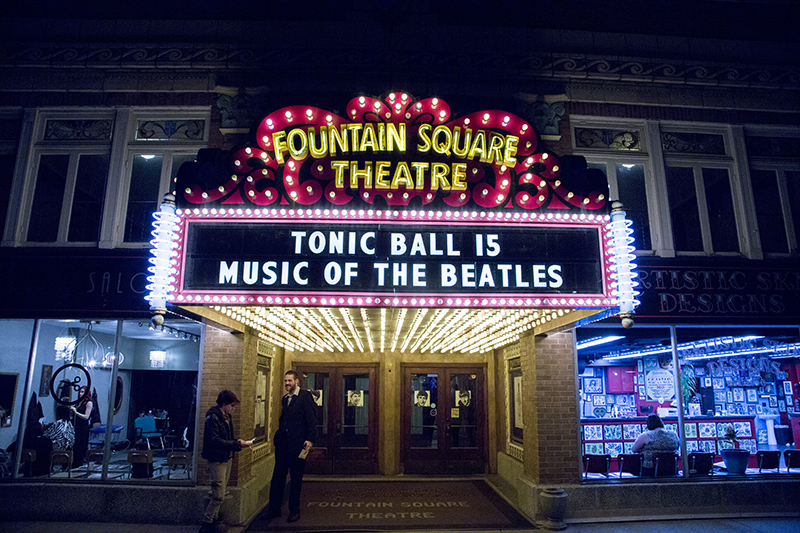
597, 341
400, 330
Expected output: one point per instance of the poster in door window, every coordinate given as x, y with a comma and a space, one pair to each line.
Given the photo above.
355, 398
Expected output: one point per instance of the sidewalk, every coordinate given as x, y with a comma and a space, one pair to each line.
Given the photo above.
732, 525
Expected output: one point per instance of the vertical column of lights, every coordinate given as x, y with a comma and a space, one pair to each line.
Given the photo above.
328, 316
399, 326
348, 320
623, 269
328, 340
383, 330
413, 329
164, 250
445, 335
365, 319
429, 328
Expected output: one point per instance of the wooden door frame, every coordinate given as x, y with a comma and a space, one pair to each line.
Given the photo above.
405, 391
333, 369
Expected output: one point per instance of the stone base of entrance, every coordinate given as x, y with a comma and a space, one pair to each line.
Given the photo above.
390, 505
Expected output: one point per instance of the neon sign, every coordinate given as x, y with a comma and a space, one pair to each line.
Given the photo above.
397, 151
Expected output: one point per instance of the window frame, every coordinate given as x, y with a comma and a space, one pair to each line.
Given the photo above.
168, 149
612, 158
74, 149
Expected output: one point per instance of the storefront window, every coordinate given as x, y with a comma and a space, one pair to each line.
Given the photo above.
151, 413
737, 388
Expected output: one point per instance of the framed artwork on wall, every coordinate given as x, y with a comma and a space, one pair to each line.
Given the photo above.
593, 386
599, 399
719, 396
752, 396
787, 388
707, 382
738, 394
719, 383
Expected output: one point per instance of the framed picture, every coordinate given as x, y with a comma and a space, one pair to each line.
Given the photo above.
699, 371
719, 383
751, 409
609, 399
729, 396
622, 399
787, 388
781, 406
720, 396
593, 386
752, 396
639, 366
707, 383
44, 383
738, 394
759, 410
599, 399
773, 401
769, 388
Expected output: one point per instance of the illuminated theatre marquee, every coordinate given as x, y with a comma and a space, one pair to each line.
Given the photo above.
395, 203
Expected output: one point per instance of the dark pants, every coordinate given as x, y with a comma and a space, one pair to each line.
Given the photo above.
285, 464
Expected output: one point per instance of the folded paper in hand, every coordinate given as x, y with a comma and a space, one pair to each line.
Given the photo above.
303, 453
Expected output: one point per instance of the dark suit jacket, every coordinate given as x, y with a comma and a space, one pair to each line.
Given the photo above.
297, 424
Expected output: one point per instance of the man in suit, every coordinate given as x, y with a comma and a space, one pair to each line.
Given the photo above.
296, 432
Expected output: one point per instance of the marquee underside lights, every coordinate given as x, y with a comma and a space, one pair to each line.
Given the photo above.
399, 330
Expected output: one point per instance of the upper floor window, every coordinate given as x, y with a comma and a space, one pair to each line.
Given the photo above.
775, 178
698, 171
68, 179
618, 152
159, 146
10, 125
701, 209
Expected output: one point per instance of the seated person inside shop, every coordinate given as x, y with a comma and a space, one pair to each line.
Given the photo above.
655, 440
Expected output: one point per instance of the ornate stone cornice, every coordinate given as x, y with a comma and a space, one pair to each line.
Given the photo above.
544, 66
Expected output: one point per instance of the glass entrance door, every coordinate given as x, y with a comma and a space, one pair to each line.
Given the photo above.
347, 417
443, 420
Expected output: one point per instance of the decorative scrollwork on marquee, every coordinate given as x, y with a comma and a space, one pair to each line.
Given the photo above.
403, 151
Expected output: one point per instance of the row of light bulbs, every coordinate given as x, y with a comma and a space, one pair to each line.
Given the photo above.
420, 330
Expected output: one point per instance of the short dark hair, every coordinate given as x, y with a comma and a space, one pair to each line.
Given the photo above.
226, 397
292, 372
654, 421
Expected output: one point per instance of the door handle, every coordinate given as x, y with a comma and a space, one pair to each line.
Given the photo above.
338, 428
